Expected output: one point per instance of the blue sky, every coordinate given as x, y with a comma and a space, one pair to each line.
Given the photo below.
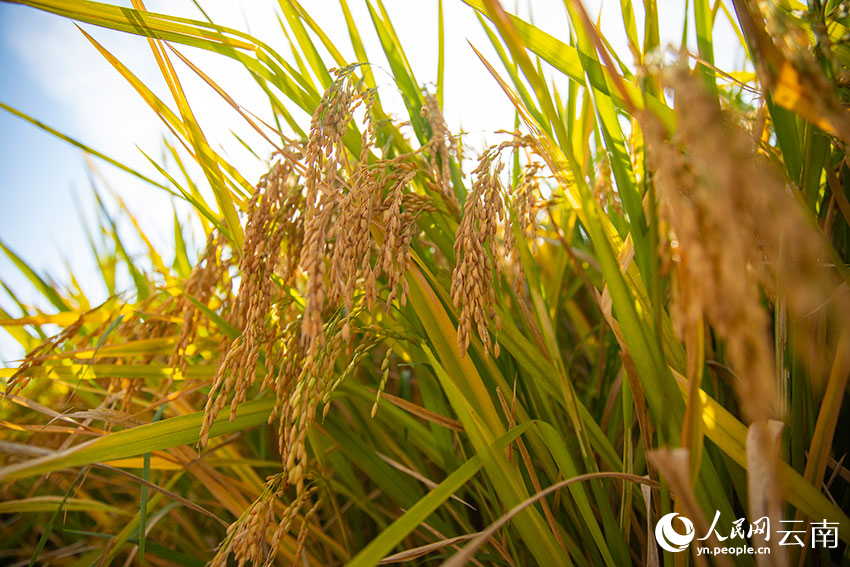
36, 170
53, 73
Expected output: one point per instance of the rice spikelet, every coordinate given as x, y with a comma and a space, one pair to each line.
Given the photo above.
731, 237
477, 247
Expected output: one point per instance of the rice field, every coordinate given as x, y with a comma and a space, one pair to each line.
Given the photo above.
616, 336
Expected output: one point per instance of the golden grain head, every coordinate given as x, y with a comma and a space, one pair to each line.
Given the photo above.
735, 239
441, 147
489, 211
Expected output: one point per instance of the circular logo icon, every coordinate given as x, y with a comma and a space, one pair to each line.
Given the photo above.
667, 536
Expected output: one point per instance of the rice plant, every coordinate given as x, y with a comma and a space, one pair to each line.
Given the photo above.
396, 348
